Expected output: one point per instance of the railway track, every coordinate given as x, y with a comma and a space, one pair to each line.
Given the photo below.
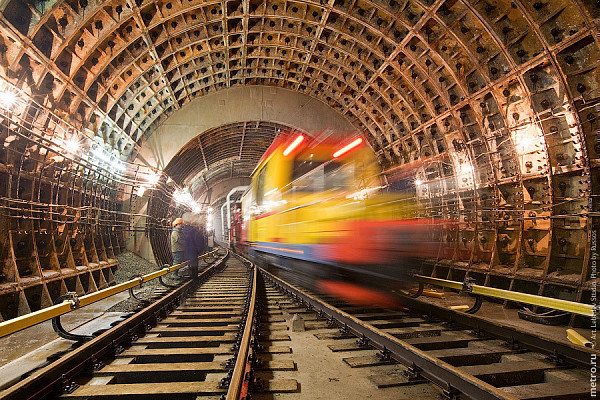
226, 336
471, 350
193, 342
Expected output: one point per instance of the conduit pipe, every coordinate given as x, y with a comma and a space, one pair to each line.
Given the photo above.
228, 203
223, 221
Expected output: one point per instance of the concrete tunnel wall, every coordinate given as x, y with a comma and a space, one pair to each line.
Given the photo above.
248, 103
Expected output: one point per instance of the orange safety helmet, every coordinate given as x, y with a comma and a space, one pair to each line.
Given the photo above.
177, 221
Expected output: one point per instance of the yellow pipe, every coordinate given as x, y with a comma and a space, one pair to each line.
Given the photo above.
433, 293
25, 321
460, 308
577, 338
439, 282
542, 301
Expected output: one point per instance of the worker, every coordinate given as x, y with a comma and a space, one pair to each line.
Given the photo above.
177, 243
193, 242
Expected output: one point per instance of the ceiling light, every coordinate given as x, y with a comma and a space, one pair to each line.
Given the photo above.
71, 145
7, 98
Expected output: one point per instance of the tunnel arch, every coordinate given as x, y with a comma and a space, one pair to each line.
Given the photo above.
283, 107
495, 102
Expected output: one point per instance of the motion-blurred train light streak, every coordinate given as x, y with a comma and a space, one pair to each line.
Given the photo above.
335, 217
359, 295
347, 148
299, 139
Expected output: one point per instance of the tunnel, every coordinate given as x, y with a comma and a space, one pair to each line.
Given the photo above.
118, 116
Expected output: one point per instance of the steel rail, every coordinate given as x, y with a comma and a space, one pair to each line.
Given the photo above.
25, 321
238, 376
542, 301
43, 382
447, 377
561, 351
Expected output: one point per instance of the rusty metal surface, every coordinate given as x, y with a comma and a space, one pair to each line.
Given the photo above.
496, 103
48, 379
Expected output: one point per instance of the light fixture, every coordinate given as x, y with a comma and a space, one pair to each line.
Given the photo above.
7, 98
72, 144
153, 177
183, 197
466, 169
117, 165
418, 182
525, 143
348, 147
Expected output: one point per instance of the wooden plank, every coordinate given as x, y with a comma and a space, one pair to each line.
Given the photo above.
478, 354
275, 337
100, 380
210, 366
397, 323
209, 308
231, 290
510, 372
186, 308
277, 326
369, 316
220, 291
227, 338
274, 319
561, 390
366, 361
181, 329
276, 349
420, 331
174, 321
392, 380
298, 310
200, 304
112, 369
352, 346
281, 365
222, 297
316, 324
222, 349
446, 340
333, 335
208, 314
132, 389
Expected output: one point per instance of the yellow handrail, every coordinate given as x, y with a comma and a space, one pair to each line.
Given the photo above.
542, 301
25, 321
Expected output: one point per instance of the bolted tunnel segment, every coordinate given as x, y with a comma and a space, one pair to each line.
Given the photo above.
117, 116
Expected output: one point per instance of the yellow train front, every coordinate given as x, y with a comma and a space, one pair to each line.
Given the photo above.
321, 206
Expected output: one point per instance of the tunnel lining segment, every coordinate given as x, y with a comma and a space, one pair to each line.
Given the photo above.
239, 104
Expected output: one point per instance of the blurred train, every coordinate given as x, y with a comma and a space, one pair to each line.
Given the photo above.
320, 206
